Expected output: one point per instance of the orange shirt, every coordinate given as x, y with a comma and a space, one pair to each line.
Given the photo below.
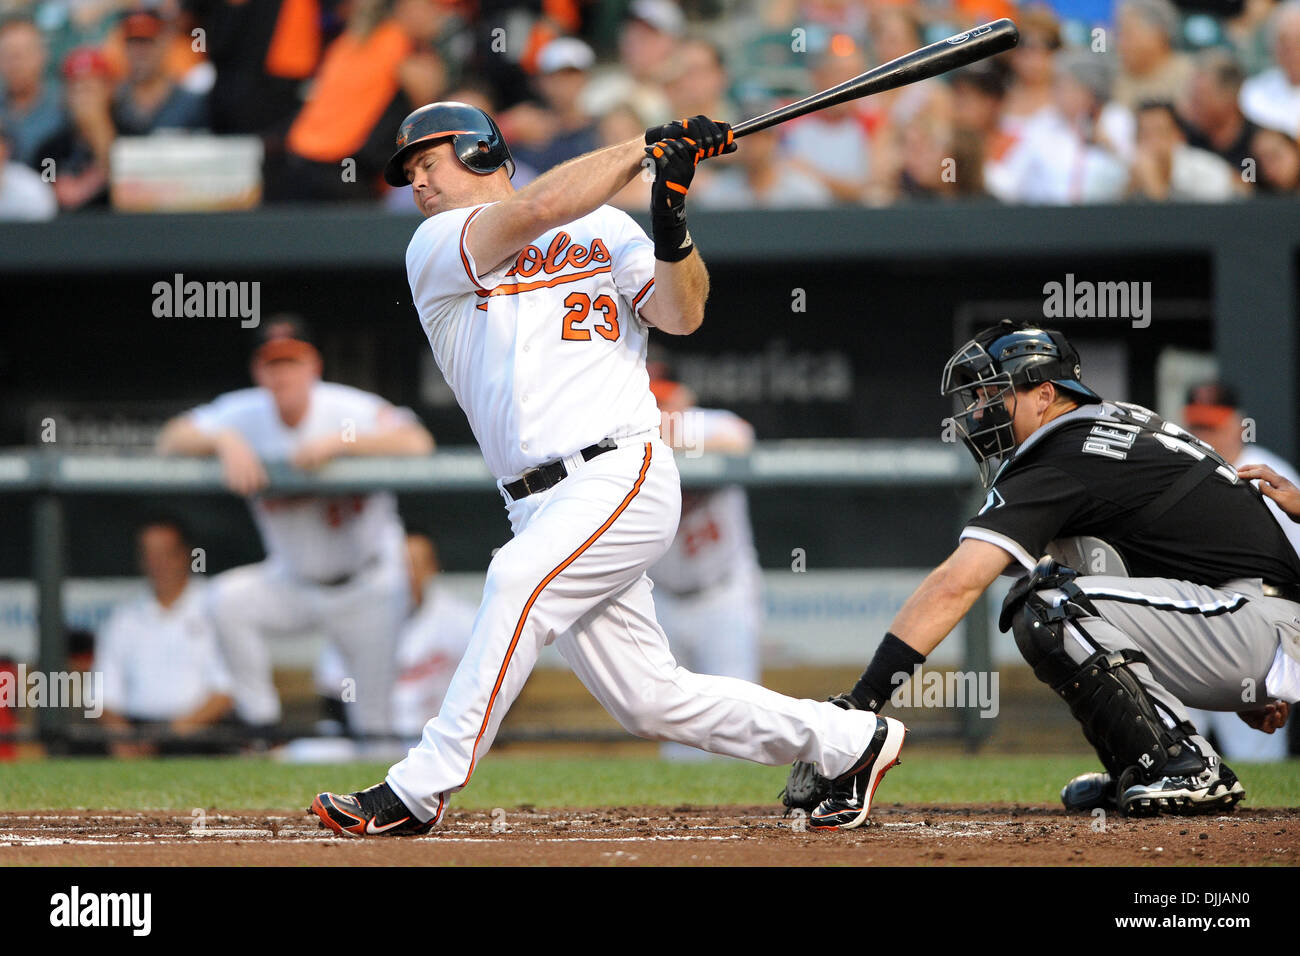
357, 81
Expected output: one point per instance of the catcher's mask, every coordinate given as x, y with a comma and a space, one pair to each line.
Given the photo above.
475, 138
983, 375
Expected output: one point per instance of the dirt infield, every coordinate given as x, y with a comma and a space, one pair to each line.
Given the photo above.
705, 836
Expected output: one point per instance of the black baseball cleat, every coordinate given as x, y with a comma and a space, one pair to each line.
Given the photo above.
850, 800
1088, 792
375, 811
1213, 789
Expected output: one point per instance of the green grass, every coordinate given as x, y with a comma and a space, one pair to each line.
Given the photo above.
511, 781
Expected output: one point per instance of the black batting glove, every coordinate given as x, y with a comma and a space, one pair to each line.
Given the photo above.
711, 138
675, 161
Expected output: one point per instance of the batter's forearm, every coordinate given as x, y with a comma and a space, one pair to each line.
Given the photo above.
933, 610
560, 195
579, 186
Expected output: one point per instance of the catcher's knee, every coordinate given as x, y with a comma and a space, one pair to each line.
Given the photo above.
1118, 716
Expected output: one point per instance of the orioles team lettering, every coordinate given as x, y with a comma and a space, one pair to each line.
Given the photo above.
561, 253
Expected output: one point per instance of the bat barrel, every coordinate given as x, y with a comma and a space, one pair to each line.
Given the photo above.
957, 51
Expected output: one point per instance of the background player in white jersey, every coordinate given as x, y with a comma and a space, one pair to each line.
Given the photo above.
1213, 414
709, 586
538, 304
158, 652
431, 644
334, 564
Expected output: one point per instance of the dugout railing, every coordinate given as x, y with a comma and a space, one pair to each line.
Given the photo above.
50, 478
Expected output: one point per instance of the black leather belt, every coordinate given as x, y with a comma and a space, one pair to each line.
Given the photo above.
346, 578
1287, 592
553, 472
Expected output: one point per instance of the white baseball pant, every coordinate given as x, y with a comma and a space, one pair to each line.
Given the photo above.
575, 574
362, 618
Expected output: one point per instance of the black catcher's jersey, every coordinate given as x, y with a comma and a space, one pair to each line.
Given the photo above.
1101, 470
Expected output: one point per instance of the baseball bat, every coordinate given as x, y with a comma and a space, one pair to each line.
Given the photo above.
957, 51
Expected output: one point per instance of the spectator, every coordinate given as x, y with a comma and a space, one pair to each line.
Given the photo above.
560, 130
897, 31
335, 563
80, 149
697, 81
1150, 67
262, 53
832, 145
759, 178
618, 125
1030, 98
1166, 168
1278, 156
24, 195
978, 94
432, 642
158, 652
1248, 34
926, 171
30, 106
646, 42
1213, 115
1213, 414
1273, 97
148, 100
1090, 169
355, 105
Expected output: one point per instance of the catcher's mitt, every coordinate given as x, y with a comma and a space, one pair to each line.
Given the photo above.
805, 787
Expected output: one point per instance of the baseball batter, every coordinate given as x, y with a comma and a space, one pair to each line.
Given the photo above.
708, 588
1199, 605
334, 564
538, 304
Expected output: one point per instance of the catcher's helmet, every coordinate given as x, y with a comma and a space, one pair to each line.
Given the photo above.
474, 136
984, 371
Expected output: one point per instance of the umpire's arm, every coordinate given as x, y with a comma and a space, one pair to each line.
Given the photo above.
947, 593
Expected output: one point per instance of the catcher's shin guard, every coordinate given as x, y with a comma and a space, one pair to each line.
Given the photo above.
1118, 716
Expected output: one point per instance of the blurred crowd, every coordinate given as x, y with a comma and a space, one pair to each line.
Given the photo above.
1103, 100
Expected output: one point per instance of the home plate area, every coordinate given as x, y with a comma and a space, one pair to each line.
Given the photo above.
895, 835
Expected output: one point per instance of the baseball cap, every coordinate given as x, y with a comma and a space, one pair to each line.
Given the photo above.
1210, 405
664, 15
565, 53
284, 337
142, 25
85, 61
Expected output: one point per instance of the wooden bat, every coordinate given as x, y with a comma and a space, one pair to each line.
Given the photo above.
957, 51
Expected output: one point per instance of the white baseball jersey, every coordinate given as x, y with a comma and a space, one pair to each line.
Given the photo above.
513, 341
714, 537
311, 537
432, 643
160, 663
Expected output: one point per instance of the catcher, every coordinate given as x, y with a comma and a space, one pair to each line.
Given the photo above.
1201, 607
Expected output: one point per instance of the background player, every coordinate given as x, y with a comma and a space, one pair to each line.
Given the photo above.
1213, 414
538, 305
709, 586
158, 652
335, 564
432, 641
1209, 611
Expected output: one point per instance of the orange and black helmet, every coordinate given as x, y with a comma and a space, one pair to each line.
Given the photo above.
474, 136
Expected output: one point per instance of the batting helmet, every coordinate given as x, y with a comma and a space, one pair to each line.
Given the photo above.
474, 136
984, 371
